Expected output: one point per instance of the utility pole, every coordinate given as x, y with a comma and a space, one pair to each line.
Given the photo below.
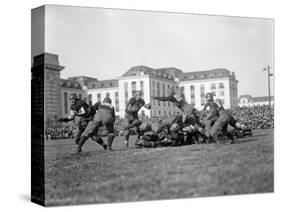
268, 78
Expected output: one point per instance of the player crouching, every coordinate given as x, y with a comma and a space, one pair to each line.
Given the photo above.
105, 116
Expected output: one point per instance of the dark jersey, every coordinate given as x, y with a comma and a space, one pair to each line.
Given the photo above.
136, 103
193, 118
78, 104
94, 108
213, 108
81, 105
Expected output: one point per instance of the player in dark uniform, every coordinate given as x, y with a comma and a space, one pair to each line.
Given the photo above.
221, 124
131, 115
233, 125
157, 135
179, 101
105, 116
81, 113
212, 114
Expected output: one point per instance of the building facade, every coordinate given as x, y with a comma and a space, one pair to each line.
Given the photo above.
158, 82
220, 82
249, 101
152, 82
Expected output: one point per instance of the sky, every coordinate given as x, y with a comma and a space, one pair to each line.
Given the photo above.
105, 43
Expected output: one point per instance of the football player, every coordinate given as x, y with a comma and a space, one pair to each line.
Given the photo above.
105, 116
81, 113
212, 114
221, 124
179, 101
131, 115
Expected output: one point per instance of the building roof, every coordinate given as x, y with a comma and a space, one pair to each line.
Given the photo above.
172, 73
82, 78
256, 99
144, 70
245, 96
112, 83
262, 98
66, 83
208, 74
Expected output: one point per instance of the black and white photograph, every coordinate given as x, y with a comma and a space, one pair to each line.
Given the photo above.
131, 105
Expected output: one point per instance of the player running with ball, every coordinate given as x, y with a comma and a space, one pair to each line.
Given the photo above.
131, 115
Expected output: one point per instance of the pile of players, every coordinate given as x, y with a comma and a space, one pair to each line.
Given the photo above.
190, 126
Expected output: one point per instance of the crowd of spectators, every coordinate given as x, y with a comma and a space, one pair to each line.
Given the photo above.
60, 133
255, 117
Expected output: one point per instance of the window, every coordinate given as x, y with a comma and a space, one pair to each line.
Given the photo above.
65, 103
94, 86
153, 83
141, 87
202, 94
159, 112
107, 95
99, 97
192, 94
221, 93
90, 97
117, 101
213, 86
182, 90
169, 103
126, 92
102, 85
221, 85
134, 87
158, 92
110, 84
163, 93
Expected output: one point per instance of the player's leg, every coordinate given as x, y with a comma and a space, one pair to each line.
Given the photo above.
91, 129
208, 126
134, 123
109, 124
77, 134
126, 133
218, 126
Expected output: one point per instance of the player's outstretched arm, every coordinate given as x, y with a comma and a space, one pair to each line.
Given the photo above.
163, 98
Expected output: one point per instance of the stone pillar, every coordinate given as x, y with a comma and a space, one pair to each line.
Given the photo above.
47, 88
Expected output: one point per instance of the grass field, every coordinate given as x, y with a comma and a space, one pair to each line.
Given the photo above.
134, 174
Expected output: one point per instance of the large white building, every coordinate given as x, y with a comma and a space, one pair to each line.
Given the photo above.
157, 82
152, 82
